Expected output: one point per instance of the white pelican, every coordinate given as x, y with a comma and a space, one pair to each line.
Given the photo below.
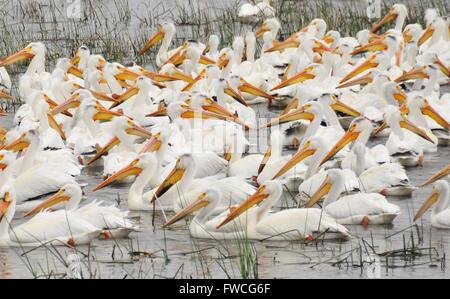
166, 32
360, 208
181, 186
389, 179
121, 148
290, 224
440, 217
38, 172
402, 143
203, 225
57, 228
113, 222
398, 12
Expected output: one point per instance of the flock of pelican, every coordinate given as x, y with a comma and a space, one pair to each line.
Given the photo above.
178, 135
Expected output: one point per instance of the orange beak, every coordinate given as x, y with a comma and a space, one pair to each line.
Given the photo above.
261, 30
73, 102
323, 190
444, 69
75, 71
200, 203
57, 127
119, 99
129, 170
434, 197
296, 79
366, 65
426, 35
431, 112
349, 136
53, 200
413, 74
112, 143
196, 79
301, 154
366, 79
4, 205
17, 57
344, 108
289, 43
17, 145
253, 90
294, 115
437, 176
266, 157
160, 112
375, 46
174, 177
235, 95
153, 145
251, 201
127, 75
152, 41
389, 17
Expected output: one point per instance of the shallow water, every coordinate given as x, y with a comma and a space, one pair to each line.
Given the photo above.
188, 257
173, 253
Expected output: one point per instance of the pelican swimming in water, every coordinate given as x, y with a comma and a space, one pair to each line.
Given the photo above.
56, 228
290, 224
113, 222
360, 208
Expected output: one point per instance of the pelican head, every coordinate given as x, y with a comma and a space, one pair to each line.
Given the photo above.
440, 190
143, 162
412, 33
397, 12
395, 120
164, 29
318, 27
96, 62
437, 27
337, 105
270, 25
419, 103
332, 38
33, 49
377, 60
393, 93
69, 195
82, 52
